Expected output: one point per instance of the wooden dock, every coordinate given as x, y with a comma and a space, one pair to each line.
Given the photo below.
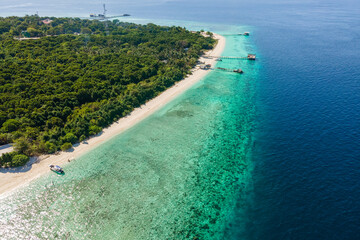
249, 57
230, 70
237, 34
227, 57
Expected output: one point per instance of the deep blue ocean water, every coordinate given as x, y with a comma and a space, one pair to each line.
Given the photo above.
306, 150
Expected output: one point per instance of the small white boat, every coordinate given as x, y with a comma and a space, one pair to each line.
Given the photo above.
57, 169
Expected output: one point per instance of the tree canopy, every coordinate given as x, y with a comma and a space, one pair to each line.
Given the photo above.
82, 75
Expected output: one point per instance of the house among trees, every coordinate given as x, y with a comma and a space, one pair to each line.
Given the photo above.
47, 21
25, 34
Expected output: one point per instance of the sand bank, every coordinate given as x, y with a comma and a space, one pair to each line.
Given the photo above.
6, 149
10, 179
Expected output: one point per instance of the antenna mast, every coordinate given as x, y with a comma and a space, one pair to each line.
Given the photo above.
104, 9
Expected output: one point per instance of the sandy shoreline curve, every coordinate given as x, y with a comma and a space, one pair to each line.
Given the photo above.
11, 179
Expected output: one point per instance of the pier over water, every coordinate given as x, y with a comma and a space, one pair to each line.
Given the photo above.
249, 57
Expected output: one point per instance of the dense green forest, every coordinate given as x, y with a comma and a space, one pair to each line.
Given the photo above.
82, 75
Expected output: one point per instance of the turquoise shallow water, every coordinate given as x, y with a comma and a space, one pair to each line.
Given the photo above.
298, 181
300, 178
176, 175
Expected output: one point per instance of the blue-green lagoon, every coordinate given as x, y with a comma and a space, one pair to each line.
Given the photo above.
176, 175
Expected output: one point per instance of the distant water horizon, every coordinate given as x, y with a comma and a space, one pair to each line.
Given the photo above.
275, 152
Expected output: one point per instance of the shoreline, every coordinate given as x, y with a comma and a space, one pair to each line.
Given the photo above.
12, 179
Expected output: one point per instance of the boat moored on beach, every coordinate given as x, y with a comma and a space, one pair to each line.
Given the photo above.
57, 169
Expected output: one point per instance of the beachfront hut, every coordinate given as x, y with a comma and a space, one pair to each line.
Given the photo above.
205, 66
251, 56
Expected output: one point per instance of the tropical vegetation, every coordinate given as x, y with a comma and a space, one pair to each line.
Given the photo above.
80, 76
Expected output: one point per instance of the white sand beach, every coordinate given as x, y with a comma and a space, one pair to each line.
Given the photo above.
11, 179
6, 148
